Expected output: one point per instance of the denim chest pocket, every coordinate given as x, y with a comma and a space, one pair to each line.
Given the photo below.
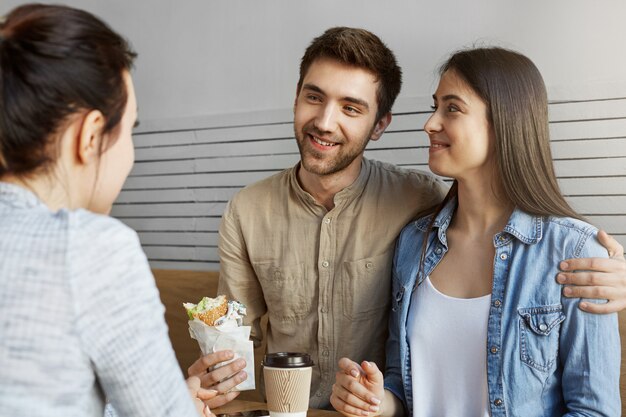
366, 286
539, 335
286, 289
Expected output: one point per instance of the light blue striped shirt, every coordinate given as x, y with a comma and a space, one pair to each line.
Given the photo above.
80, 317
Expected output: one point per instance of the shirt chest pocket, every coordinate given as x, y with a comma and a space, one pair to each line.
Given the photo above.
539, 336
366, 286
288, 294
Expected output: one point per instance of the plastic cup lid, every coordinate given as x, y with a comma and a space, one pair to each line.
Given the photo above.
287, 360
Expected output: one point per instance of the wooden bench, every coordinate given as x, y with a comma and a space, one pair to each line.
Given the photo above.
177, 287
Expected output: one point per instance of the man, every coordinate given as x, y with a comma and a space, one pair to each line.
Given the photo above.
312, 246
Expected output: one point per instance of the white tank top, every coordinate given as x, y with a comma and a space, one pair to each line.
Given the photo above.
448, 345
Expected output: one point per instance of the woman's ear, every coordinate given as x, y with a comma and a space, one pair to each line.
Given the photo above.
89, 137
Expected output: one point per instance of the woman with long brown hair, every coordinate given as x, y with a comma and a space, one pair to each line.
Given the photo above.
479, 325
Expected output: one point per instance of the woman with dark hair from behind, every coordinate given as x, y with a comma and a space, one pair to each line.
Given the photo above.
479, 325
80, 315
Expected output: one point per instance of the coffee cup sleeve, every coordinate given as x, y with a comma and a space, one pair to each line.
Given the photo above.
215, 338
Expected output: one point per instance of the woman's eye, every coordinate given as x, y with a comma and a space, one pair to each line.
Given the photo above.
453, 109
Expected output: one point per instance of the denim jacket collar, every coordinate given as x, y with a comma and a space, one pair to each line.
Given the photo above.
527, 228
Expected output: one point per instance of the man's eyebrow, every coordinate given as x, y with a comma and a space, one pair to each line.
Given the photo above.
450, 97
354, 100
313, 87
358, 101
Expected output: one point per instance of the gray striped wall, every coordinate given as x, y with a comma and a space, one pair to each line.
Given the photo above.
187, 169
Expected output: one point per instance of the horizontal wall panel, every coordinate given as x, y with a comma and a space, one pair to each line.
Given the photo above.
593, 186
179, 238
178, 253
182, 266
218, 150
589, 129
177, 195
229, 179
591, 167
234, 164
169, 210
599, 205
168, 224
616, 224
597, 148
399, 156
177, 138
588, 110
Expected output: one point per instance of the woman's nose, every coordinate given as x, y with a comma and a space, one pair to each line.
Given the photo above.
433, 124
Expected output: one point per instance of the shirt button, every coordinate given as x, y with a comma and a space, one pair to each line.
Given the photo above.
497, 402
543, 327
503, 256
319, 394
497, 303
501, 238
369, 265
438, 251
327, 220
494, 349
325, 264
324, 310
325, 353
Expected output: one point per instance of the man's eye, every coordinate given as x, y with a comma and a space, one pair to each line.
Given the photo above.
351, 109
453, 108
312, 98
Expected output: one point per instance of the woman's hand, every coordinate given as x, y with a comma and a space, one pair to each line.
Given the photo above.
221, 380
358, 390
200, 395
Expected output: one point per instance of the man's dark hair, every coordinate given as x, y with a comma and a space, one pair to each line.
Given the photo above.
362, 49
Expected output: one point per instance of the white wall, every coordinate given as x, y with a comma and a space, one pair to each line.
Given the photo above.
215, 82
200, 57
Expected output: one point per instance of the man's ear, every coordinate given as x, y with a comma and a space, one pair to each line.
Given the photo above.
380, 126
89, 137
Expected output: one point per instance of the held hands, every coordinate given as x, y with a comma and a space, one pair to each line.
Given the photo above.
200, 395
358, 390
221, 380
597, 278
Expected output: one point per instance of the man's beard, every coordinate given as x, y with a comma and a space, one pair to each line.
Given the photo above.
330, 166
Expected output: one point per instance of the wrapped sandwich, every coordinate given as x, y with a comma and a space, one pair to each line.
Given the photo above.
217, 324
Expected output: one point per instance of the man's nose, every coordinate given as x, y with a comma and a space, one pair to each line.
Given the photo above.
326, 120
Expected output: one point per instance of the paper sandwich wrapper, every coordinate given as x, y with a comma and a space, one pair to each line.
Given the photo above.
232, 337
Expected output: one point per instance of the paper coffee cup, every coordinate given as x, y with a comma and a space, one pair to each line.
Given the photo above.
287, 378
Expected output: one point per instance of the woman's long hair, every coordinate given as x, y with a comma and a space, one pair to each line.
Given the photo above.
517, 110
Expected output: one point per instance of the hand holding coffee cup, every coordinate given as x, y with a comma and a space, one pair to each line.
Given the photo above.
287, 378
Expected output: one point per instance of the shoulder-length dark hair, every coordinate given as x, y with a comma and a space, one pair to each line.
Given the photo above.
55, 61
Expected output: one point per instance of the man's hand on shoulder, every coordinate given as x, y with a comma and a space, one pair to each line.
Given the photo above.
597, 278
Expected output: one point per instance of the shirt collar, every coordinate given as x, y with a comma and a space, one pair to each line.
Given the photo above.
346, 195
18, 196
527, 228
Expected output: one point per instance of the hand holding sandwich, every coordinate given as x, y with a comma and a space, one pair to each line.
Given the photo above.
222, 379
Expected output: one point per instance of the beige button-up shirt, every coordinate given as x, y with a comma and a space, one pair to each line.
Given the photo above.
322, 276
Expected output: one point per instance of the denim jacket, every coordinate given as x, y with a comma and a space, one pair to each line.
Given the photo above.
545, 357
